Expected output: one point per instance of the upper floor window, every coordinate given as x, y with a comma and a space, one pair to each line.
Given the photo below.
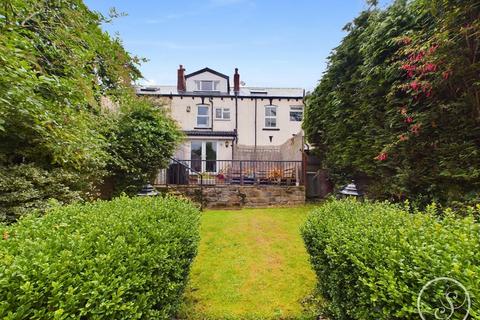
207, 85
222, 113
270, 116
296, 113
203, 116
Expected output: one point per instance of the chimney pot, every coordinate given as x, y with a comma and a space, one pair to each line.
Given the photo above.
181, 83
236, 81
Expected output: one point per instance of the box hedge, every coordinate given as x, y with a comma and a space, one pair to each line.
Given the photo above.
122, 259
372, 259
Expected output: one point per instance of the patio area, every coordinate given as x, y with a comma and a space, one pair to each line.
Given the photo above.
231, 172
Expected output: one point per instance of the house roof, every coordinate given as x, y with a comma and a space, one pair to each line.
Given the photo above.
245, 92
200, 133
206, 70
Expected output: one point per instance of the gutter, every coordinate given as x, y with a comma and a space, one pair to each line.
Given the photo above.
255, 148
211, 113
236, 116
190, 95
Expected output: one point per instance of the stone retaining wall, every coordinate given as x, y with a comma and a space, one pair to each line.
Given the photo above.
235, 196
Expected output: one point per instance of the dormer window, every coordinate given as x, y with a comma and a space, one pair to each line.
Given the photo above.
207, 85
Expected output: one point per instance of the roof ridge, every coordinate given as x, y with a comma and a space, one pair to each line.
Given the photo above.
207, 69
272, 88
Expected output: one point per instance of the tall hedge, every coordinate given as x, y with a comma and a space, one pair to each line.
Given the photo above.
398, 107
65, 95
123, 259
372, 260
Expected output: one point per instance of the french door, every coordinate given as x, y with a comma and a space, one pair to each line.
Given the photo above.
203, 156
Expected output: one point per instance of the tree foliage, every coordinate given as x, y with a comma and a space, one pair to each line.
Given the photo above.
399, 104
139, 144
57, 70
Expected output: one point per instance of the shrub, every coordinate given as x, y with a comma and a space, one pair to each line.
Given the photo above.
26, 187
144, 139
372, 259
123, 259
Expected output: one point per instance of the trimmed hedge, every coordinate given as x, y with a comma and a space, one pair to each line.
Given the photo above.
372, 259
121, 259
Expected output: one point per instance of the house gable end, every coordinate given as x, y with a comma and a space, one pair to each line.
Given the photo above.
207, 80
207, 70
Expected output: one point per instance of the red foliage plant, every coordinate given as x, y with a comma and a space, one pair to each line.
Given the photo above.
382, 156
408, 119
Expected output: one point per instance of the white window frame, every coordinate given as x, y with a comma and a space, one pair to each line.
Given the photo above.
296, 109
270, 116
214, 85
207, 116
203, 156
223, 112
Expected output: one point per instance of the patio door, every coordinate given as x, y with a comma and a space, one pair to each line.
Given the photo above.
204, 156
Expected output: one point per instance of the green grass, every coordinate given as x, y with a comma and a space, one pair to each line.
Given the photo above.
251, 264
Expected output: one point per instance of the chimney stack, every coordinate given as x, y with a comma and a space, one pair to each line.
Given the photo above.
181, 84
236, 82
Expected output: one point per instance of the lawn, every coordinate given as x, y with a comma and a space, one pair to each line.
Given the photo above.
251, 264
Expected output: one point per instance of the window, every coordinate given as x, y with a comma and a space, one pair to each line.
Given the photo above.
203, 117
296, 113
222, 113
207, 85
270, 116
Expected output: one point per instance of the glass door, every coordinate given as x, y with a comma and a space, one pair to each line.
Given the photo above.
203, 156
210, 156
196, 156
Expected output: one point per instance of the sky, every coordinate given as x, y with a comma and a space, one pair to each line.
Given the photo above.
282, 43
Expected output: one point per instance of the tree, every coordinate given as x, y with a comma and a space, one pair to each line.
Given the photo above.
398, 104
140, 145
57, 67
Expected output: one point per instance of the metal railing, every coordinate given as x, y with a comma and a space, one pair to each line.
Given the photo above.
231, 172
171, 175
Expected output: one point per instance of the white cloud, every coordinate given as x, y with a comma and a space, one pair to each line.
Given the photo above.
148, 82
